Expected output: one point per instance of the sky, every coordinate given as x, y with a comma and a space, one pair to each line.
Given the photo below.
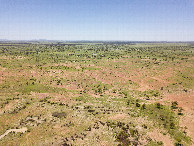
126, 20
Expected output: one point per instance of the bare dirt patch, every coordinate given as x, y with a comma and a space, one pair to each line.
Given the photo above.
186, 101
118, 117
157, 136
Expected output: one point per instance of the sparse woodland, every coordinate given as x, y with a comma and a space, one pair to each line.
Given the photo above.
97, 93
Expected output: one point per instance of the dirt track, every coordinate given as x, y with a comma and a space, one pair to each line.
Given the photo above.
22, 130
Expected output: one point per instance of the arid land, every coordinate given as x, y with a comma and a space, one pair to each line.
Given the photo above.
96, 94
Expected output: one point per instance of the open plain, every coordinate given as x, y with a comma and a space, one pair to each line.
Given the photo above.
97, 94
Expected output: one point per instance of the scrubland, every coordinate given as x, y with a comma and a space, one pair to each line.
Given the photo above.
97, 94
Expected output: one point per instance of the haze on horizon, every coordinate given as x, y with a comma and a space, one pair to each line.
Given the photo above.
130, 20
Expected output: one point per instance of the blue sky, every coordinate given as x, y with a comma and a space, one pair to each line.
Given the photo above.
132, 20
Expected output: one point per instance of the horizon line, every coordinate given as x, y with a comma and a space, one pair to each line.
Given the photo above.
93, 40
